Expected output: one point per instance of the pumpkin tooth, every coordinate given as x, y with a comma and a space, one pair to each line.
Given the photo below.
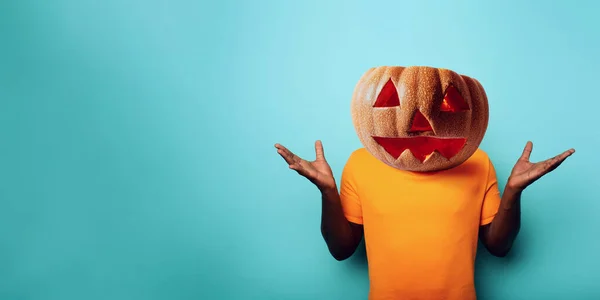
421, 147
429, 155
451, 147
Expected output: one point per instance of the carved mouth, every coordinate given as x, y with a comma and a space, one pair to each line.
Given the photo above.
421, 147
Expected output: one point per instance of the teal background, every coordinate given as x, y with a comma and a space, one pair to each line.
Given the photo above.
137, 157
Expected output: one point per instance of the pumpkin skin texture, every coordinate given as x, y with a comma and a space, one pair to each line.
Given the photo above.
418, 118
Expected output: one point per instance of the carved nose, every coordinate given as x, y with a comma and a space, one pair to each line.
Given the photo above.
420, 123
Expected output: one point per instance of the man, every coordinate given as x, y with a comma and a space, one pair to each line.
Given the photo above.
421, 229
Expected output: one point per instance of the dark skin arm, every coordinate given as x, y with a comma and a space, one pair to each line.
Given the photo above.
498, 237
341, 236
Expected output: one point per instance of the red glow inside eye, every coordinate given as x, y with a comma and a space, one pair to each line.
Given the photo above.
453, 101
388, 97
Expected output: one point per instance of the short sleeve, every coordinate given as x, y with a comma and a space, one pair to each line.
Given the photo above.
491, 199
351, 203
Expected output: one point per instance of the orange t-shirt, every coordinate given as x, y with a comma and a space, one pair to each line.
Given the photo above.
421, 229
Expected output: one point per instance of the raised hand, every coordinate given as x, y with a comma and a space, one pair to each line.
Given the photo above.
525, 172
317, 171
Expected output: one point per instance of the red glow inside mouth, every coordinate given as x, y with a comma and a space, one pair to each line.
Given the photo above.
421, 146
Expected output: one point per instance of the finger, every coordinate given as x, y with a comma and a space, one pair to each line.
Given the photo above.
284, 150
319, 150
288, 159
561, 157
527, 151
553, 163
566, 154
280, 147
287, 155
295, 158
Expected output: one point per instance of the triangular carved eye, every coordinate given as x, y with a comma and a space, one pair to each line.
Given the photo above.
388, 97
453, 101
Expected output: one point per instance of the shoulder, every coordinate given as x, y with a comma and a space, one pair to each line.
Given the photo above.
359, 159
481, 161
360, 153
480, 157
360, 156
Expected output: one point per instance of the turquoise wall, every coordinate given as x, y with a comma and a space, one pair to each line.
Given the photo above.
137, 159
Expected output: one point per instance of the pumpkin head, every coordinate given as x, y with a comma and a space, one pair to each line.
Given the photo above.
419, 118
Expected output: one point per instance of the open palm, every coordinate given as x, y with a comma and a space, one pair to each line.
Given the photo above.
317, 171
525, 172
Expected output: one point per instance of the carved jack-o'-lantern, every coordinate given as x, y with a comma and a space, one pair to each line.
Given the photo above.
419, 118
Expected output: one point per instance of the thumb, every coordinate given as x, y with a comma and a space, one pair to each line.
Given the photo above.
319, 150
527, 151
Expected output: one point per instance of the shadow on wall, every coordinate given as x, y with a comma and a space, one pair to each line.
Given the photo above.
487, 266
484, 259
359, 258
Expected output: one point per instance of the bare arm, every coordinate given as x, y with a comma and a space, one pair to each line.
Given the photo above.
342, 237
498, 237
